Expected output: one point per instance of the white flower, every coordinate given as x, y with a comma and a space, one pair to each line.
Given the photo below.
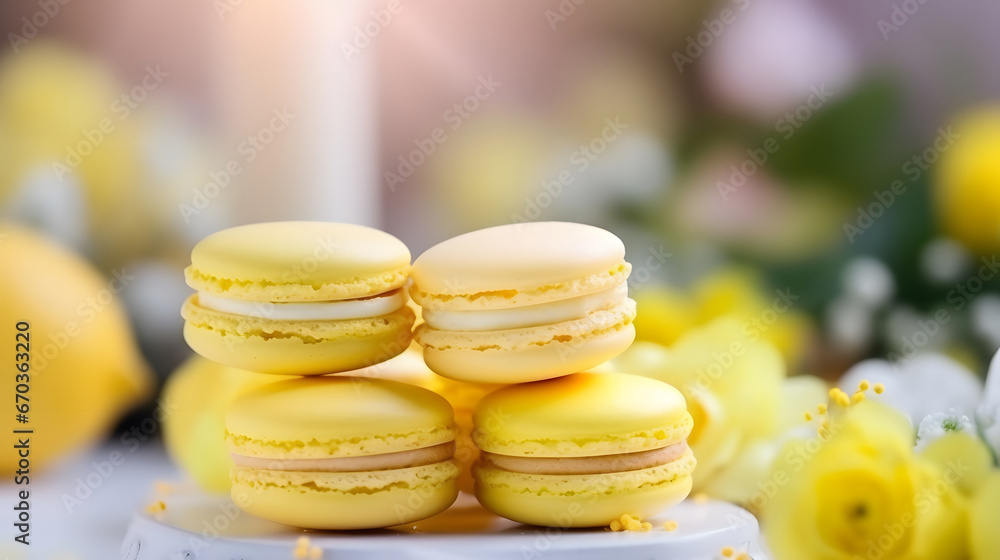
934, 426
929, 383
923, 385
988, 413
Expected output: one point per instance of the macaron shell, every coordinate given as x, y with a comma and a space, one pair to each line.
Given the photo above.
298, 261
582, 500
346, 501
295, 347
582, 415
323, 417
529, 354
518, 264
529, 363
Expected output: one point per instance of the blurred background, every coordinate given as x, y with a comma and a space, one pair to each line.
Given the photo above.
830, 170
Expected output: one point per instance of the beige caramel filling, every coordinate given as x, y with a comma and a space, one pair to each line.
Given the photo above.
381, 462
589, 465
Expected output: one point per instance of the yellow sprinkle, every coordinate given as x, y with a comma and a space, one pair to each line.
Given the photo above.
670, 525
700, 498
315, 553
743, 556
162, 488
821, 408
858, 397
156, 507
879, 388
302, 551
808, 417
728, 551
864, 385
630, 523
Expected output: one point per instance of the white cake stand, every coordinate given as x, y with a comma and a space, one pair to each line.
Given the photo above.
199, 527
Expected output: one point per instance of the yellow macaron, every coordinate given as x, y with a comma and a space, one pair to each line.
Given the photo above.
582, 450
342, 453
523, 302
298, 298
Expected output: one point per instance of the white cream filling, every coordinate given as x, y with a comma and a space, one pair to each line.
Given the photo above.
527, 316
341, 310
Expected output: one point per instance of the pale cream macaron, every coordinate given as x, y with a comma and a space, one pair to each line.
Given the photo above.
523, 302
298, 298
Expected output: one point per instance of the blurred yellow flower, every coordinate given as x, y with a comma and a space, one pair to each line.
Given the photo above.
732, 384
859, 491
667, 313
960, 449
985, 511
967, 181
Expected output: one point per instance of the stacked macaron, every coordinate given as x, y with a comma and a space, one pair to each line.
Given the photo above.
539, 304
298, 298
307, 299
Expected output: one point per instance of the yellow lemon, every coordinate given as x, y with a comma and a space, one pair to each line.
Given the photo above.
967, 181
85, 369
196, 397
